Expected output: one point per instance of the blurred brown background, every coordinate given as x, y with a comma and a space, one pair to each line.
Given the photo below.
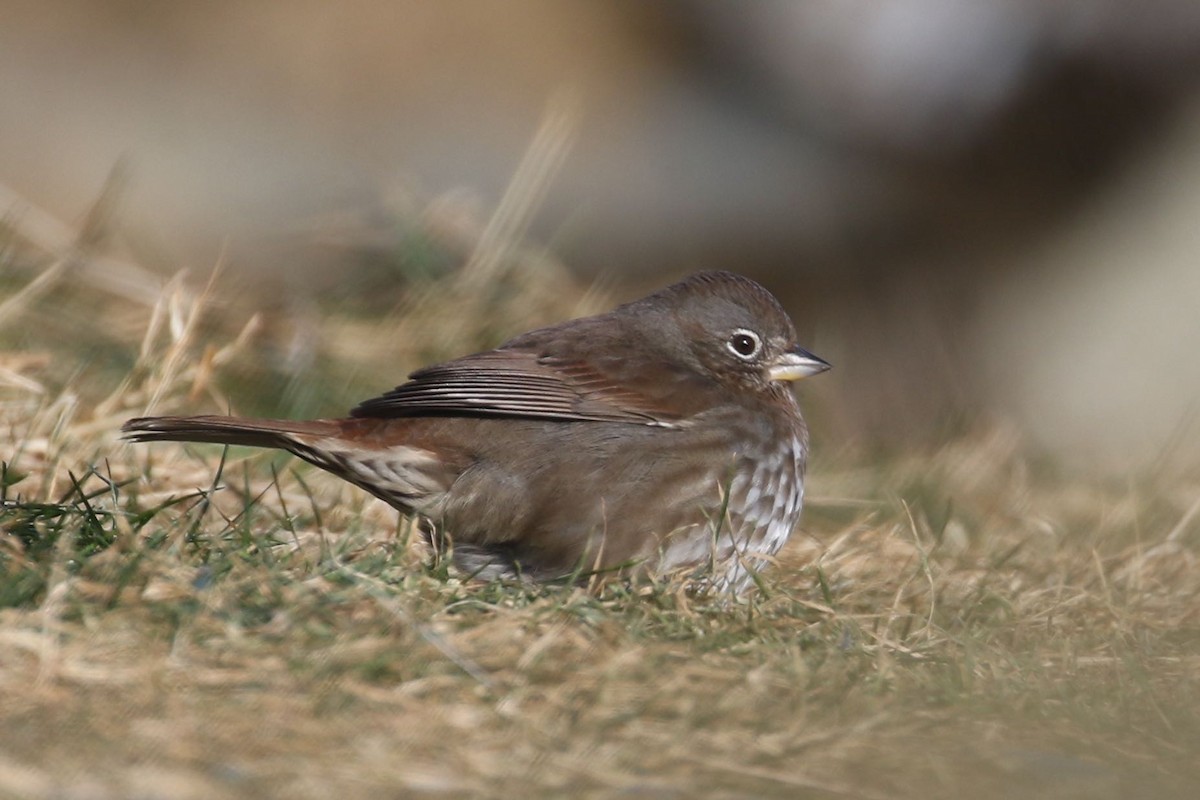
983, 209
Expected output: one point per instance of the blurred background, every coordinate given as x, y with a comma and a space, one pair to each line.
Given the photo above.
976, 209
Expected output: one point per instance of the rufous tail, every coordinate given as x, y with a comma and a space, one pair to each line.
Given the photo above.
277, 433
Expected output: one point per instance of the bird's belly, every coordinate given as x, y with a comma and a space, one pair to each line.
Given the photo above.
611, 496
755, 514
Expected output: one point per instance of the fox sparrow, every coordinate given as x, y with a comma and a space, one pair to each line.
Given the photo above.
656, 437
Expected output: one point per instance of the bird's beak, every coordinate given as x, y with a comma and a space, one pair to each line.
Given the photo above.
795, 364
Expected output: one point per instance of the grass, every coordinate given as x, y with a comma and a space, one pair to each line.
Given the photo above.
182, 621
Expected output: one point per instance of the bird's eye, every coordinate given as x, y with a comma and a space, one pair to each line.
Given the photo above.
744, 344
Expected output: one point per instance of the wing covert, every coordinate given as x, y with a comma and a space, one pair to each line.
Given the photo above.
517, 383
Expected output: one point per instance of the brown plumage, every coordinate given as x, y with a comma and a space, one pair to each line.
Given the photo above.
655, 437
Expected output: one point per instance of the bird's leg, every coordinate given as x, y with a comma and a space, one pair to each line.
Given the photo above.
438, 541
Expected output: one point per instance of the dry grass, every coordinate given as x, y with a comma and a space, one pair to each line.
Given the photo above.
179, 623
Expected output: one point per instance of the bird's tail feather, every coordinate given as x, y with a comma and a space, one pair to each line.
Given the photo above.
277, 433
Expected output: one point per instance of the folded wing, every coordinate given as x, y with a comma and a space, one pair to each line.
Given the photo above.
527, 384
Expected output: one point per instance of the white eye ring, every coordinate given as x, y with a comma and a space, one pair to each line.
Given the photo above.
746, 345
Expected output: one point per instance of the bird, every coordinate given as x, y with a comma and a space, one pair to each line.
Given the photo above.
660, 438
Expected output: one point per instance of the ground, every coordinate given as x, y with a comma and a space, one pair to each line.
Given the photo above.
963, 618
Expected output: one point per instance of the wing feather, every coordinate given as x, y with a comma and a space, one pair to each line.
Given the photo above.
519, 383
